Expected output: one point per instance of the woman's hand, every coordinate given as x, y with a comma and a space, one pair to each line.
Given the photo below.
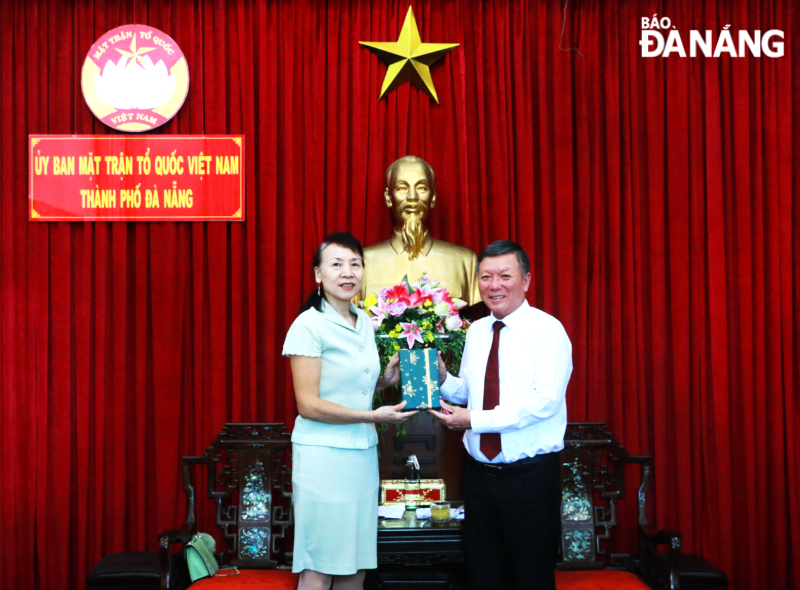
391, 414
391, 375
442, 368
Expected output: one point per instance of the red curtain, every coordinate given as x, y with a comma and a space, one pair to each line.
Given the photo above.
656, 197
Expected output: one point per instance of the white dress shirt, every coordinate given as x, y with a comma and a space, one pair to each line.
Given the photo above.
535, 366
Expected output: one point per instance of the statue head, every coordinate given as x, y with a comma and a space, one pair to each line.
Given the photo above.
410, 194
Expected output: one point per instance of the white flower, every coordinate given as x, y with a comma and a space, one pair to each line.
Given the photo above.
442, 309
453, 323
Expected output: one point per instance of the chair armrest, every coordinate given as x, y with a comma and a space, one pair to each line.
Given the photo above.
165, 539
659, 569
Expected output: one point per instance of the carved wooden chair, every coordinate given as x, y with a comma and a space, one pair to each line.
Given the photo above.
593, 473
248, 477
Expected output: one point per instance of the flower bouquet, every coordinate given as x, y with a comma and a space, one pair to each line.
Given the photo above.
420, 314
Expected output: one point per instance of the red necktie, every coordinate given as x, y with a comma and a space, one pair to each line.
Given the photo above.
490, 441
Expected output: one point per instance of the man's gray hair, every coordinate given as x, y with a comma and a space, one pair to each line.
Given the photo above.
502, 247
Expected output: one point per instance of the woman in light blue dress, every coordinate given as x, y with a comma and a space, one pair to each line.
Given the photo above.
336, 370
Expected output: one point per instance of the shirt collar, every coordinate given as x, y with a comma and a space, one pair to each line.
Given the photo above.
330, 314
397, 243
515, 319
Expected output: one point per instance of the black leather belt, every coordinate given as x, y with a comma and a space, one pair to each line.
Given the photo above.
503, 469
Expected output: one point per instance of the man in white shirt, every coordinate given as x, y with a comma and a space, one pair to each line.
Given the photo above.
514, 374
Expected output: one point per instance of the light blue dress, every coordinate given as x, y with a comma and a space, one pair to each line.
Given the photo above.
335, 466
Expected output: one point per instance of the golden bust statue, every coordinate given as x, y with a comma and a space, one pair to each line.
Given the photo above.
411, 194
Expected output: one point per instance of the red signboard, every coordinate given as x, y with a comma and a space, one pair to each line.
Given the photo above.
136, 178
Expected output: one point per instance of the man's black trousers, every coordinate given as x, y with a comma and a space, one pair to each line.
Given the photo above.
513, 523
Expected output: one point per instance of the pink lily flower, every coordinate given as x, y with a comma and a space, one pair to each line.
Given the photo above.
425, 291
439, 295
396, 292
417, 299
381, 310
411, 333
397, 308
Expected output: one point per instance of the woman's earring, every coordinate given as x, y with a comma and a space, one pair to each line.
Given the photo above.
319, 291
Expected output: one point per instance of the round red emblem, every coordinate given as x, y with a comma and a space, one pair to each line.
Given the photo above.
135, 78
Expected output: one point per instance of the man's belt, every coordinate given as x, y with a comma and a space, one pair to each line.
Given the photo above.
504, 469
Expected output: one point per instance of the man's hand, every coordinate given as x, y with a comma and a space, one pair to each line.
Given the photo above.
453, 417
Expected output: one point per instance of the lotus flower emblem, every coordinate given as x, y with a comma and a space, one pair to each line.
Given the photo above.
134, 82
135, 78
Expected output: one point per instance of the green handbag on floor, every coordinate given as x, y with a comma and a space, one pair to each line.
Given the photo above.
199, 553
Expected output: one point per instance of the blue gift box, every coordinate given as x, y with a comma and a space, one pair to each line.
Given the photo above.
419, 377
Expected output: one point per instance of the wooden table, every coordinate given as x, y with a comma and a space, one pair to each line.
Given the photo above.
418, 554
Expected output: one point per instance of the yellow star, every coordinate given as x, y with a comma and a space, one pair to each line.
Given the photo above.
408, 59
134, 53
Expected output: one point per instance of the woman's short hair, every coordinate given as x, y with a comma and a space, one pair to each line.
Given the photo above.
502, 247
339, 238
